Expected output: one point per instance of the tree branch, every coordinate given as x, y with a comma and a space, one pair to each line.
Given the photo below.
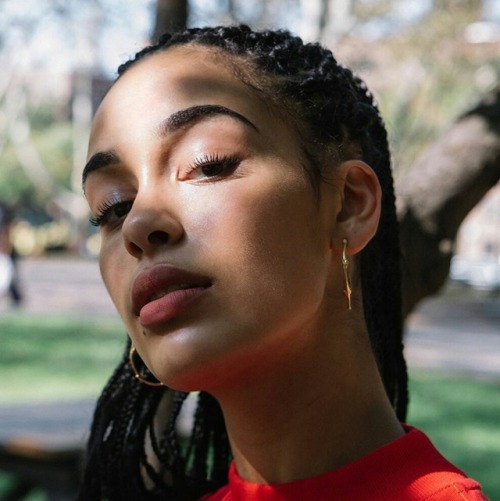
440, 189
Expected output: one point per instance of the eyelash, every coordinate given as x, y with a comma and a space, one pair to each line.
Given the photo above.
227, 162
104, 211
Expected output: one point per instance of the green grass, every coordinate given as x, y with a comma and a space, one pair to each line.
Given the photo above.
53, 358
7, 482
45, 358
49, 358
461, 416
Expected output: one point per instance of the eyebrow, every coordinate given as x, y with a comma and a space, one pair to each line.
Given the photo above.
98, 161
181, 118
171, 124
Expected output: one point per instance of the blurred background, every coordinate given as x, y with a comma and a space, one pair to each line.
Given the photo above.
434, 67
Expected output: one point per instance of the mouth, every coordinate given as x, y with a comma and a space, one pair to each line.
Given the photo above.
163, 291
168, 290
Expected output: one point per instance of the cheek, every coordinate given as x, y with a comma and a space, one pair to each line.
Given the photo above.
266, 242
113, 267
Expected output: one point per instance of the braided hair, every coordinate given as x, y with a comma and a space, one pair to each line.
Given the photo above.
132, 453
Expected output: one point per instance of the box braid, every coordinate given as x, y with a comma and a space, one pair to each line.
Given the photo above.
336, 118
116, 462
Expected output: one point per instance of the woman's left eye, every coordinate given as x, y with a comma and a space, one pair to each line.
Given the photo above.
213, 167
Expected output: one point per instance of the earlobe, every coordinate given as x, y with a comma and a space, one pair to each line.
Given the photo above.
361, 205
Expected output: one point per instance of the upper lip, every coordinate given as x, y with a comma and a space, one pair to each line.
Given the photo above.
159, 279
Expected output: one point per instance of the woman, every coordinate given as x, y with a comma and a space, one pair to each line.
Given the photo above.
242, 185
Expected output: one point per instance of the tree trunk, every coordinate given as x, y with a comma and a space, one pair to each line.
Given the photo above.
171, 15
445, 183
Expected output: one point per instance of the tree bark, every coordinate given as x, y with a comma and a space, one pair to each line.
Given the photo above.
443, 185
171, 15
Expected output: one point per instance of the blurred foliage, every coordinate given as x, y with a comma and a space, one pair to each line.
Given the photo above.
425, 75
55, 146
15, 187
52, 137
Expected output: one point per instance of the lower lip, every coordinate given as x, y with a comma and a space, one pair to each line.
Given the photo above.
171, 305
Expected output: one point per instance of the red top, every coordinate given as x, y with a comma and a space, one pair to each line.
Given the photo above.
407, 469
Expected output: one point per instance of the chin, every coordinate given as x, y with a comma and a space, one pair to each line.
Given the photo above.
186, 378
184, 366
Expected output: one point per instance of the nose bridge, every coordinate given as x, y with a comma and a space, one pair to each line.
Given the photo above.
152, 221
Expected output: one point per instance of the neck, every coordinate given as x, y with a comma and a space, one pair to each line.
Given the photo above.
321, 414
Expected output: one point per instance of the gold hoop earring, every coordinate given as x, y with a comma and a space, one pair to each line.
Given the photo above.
345, 265
137, 373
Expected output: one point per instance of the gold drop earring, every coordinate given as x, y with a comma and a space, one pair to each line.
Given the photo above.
345, 265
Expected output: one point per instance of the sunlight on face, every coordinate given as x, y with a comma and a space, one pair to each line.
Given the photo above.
215, 249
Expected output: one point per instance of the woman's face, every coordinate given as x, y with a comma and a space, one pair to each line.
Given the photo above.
215, 249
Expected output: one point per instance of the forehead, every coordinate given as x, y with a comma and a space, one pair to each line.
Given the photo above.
170, 80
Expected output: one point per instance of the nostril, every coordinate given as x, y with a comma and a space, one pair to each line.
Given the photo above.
133, 249
158, 237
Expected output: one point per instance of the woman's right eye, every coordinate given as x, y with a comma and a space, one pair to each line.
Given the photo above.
213, 167
111, 212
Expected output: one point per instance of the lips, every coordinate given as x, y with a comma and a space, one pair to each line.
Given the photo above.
163, 292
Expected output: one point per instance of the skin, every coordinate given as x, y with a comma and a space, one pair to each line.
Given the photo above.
271, 339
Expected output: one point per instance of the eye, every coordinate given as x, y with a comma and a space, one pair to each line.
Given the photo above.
213, 166
111, 212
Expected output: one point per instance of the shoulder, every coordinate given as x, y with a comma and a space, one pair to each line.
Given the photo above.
461, 490
408, 469
422, 473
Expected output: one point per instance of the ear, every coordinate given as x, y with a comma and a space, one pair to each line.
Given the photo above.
361, 197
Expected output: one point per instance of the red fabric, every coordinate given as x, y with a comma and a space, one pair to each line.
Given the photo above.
408, 469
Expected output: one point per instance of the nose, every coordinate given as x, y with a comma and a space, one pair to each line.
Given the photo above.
150, 227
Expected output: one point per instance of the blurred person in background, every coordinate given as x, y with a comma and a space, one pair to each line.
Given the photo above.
9, 276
